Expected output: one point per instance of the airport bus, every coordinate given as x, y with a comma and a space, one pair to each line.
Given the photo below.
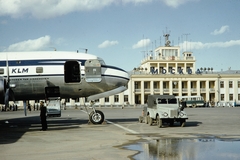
192, 101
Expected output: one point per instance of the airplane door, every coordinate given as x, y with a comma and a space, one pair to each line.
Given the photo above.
72, 72
93, 71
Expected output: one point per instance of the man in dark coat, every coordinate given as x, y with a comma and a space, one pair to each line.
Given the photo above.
43, 116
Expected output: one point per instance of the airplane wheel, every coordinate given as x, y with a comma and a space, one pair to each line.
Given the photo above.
96, 117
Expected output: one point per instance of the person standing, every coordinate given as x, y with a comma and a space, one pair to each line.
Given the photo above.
43, 116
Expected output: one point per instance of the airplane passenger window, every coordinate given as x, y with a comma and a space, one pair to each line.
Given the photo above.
39, 70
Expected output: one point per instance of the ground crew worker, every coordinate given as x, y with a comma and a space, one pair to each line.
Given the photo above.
43, 116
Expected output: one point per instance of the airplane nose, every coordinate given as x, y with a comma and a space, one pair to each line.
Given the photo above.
116, 76
123, 75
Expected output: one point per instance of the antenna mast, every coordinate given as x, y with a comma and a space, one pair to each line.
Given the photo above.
186, 34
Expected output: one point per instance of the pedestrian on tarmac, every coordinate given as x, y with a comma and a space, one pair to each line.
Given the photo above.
43, 116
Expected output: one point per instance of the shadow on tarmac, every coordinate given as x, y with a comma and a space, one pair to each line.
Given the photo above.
11, 130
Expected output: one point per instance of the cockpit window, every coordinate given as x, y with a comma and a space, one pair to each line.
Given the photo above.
101, 61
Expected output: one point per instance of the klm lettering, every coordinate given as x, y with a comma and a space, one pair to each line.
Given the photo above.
20, 70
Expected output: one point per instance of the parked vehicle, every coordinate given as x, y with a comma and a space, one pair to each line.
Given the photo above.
192, 101
163, 109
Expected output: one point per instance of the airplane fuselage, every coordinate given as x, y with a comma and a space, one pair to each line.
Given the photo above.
36, 75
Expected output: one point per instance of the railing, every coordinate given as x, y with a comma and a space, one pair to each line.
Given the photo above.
137, 90
166, 90
175, 90
167, 58
146, 90
194, 89
203, 89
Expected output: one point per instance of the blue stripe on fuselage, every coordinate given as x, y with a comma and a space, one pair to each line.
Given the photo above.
38, 62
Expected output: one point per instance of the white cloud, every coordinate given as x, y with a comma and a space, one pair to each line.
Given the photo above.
136, 1
141, 43
31, 45
221, 30
43, 9
176, 3
200, 45
107, 43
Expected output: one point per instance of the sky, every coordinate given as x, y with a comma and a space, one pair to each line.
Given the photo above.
123, 32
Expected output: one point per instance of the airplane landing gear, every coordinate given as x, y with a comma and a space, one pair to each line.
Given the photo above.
96, 117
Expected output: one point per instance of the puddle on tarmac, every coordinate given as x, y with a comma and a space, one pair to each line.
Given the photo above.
187, 149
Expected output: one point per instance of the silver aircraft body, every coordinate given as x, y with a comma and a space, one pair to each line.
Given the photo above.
41, 74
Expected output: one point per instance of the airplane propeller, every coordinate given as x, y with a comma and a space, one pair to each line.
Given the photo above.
9, 94
6, 97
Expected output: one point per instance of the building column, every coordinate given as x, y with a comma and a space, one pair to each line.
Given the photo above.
179, 88
142, 92
121, 98
161, 88
111, 100
198, 88
131, 95
170, 87
151, 88
207, 91
217, 91
189, 87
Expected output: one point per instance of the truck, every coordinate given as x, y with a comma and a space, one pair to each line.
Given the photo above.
163, 109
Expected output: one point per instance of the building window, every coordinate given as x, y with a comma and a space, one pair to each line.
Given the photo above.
147, 85
221, 84
238, 84
164, 84
137, 85
106, 99
156, 85
238, 96
97, 100
170, 69
116, 98
230, 97
230, 84
161, 69
222, 97
67, 100
125, 98
77, 100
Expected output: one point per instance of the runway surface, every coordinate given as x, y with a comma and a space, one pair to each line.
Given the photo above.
71, 137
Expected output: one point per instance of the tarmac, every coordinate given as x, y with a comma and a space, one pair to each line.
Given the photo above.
72, 137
